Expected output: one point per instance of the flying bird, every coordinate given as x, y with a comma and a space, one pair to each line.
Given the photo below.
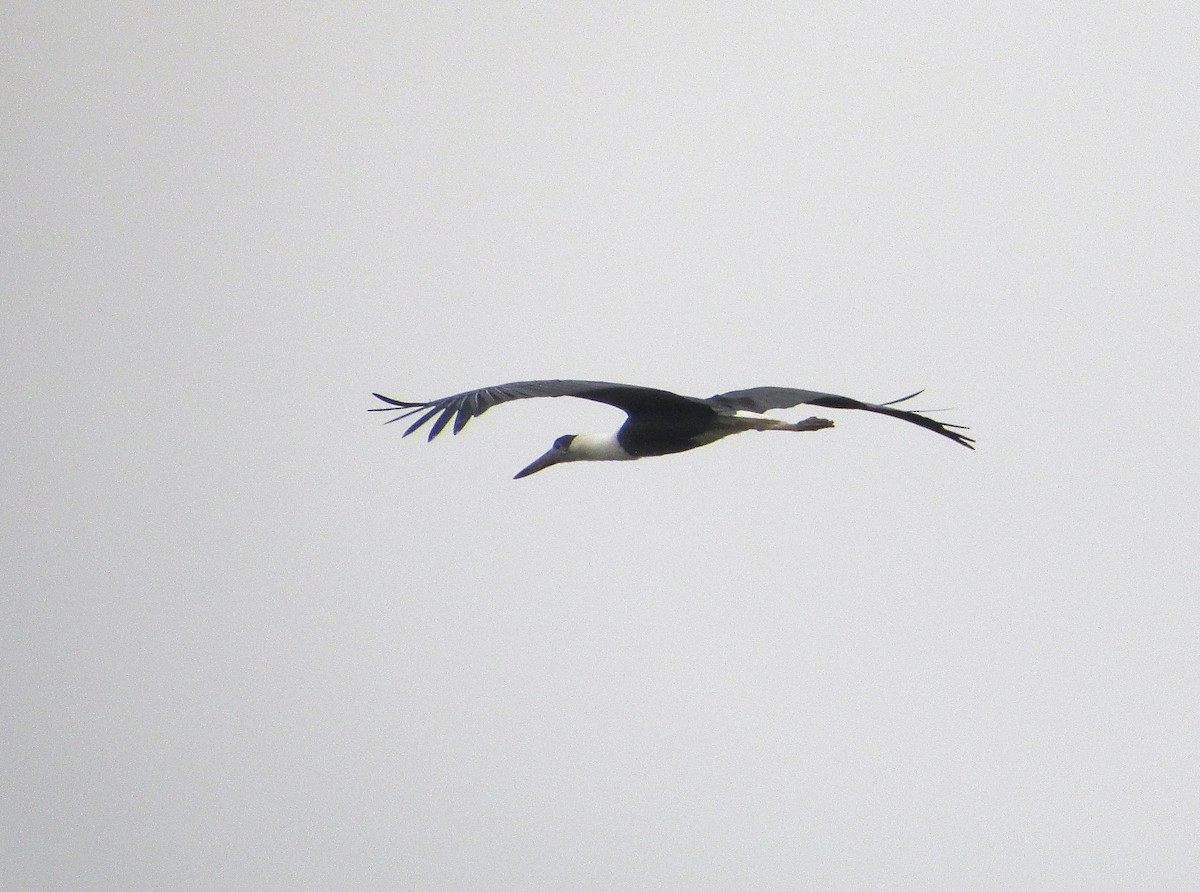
659, 422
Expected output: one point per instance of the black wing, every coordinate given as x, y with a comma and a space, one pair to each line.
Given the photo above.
762, 399
462, 407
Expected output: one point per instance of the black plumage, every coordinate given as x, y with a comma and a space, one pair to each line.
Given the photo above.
659, 421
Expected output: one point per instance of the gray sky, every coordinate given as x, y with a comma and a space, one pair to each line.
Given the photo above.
253, 639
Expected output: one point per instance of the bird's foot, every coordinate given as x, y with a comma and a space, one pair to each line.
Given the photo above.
811, 424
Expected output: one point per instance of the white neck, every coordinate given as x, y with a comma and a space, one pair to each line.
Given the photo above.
598, 447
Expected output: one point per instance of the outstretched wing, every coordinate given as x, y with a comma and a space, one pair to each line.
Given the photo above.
762, 399
462, 407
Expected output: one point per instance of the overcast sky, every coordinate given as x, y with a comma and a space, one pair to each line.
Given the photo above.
253, 639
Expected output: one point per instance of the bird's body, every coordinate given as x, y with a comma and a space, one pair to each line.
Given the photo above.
659, 422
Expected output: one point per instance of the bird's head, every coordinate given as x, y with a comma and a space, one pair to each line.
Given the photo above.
559, 452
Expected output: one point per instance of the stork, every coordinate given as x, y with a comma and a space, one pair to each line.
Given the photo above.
659, 422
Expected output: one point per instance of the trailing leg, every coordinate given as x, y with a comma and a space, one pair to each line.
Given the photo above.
808, 424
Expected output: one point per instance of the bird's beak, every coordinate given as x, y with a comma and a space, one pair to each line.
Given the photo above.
553, 457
